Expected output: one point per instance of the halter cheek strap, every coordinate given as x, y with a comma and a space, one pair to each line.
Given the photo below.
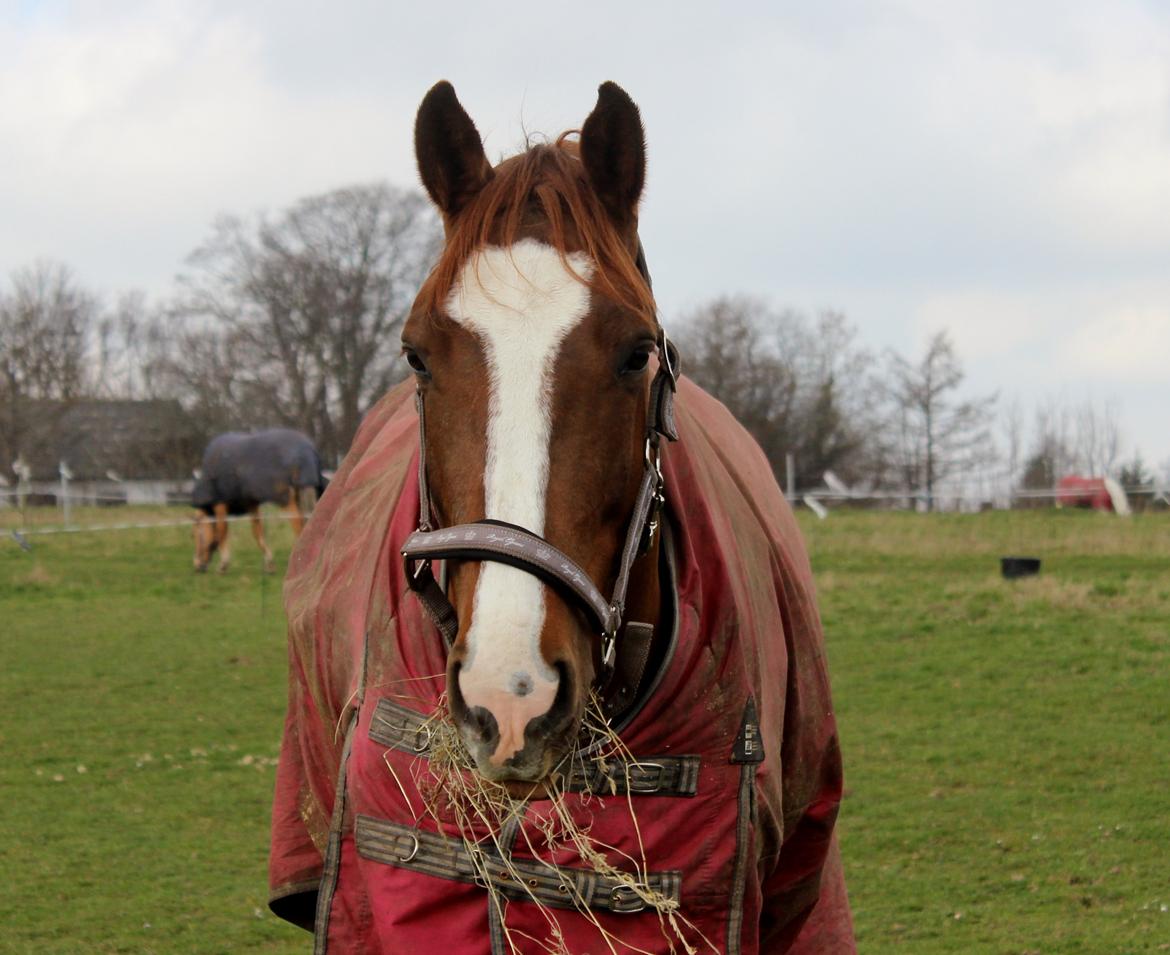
506, 543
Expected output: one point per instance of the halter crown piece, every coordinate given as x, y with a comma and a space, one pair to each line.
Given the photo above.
508, 544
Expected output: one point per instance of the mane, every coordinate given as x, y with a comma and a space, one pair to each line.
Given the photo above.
546, 180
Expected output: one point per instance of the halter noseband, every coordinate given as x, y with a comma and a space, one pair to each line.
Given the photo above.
489, 540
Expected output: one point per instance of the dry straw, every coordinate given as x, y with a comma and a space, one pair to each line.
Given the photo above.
454, 796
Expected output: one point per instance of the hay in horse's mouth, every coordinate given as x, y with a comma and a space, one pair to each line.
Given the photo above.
459, 800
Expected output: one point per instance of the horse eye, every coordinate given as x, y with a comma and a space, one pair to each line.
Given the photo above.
416, 363
637, 361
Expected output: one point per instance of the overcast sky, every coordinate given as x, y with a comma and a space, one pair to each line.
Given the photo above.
999, 169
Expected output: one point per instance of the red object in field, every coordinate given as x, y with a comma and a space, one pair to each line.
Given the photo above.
1077, 491
742, 705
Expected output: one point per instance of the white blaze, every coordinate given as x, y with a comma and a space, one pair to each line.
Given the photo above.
521, 302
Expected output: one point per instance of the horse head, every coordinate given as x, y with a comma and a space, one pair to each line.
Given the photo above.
532, 343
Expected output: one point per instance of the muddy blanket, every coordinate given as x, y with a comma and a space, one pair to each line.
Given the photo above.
738, 773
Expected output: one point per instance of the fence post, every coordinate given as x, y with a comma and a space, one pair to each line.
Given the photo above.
790, 469
23, 474
66, 474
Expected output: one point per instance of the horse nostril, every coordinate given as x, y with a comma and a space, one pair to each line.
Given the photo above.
566, 704
484, 724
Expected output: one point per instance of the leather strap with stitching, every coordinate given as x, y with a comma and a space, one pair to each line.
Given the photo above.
405, 847
515, 546
399, 727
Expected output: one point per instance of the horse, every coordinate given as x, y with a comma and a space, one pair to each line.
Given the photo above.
557, 679
242, 471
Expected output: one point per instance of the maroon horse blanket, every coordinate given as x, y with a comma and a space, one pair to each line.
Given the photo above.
737, 778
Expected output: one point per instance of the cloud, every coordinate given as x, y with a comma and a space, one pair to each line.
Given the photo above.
1120, 334
1130, 344
1000, 169
987, 324
120, 132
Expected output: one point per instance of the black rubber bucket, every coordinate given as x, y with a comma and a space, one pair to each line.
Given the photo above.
1013, 568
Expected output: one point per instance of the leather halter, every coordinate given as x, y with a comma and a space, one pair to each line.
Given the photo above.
489, 540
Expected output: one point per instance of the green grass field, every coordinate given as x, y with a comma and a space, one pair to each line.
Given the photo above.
1007, 745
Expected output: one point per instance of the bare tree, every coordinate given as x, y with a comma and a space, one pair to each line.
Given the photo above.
725, 352
1097, 444
1069, 438
297, 319
1135, 474
134, 346
1051, 454
1012, 423
939, 435
798, 385
837, 424
45, 325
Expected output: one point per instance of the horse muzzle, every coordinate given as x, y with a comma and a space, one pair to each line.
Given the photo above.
518, 731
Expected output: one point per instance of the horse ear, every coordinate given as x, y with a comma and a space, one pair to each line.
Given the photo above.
450, 155
613, 149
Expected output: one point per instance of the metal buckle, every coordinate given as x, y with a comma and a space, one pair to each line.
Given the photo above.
623, 898
414, 849
422, 739
646, 786
648, 538
420, 566
653, 463
653, 459
656, 510
608, 649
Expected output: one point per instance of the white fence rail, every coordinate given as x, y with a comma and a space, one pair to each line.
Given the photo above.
97, 492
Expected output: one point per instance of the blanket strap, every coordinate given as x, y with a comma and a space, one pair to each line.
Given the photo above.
520, 880
398, 727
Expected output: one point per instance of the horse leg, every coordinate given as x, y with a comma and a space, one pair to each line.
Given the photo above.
203, 533
296, 515
221, 537
258, 533
307, 501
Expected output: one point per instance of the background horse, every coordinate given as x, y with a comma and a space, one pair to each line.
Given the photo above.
242, 471
596, 574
